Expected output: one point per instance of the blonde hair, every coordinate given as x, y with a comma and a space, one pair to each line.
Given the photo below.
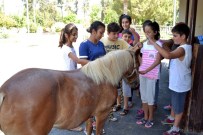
109, 68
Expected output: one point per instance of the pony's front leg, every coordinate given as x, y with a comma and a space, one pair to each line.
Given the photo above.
100, 120
89, 126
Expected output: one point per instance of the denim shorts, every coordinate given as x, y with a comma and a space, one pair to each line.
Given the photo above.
178, 101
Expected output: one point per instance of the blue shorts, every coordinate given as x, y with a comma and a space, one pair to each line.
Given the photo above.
178, 101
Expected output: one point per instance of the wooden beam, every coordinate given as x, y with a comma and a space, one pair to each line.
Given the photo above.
193, 21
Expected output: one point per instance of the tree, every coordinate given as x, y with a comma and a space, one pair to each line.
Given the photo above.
95, 13
110, 16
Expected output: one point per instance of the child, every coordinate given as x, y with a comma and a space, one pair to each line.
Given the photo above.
140, 112
69, 34
93, 48
126, 35
179, 74
149, 73
125, 22
112, 42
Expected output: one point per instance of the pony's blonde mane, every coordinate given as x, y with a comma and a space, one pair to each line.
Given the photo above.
109, 68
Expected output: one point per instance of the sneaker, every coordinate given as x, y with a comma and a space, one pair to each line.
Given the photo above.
149, 124
141, 122
167, 107
86, 132
113, 119
140, 114
168, 121
171, 132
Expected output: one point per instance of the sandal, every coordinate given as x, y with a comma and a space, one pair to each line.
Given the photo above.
124, 112
149, 124
141, 122
116, 108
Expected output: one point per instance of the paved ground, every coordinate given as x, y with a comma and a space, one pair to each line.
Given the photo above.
41, 51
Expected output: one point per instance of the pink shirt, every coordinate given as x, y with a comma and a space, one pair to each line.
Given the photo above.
148, 58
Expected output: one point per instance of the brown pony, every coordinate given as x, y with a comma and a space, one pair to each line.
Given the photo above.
35, 100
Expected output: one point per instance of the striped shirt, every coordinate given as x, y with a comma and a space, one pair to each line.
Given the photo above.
148, 58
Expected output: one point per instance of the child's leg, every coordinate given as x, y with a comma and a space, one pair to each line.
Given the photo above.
126, 93
151, 112
126, 102
178, 102
178, 118
118, 100
146, 111
151, 84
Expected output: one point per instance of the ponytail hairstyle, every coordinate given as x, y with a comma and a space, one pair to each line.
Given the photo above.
121, 18
95, 26
155, 27
67, 30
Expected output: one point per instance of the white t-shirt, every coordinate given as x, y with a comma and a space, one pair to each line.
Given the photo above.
69, 64
180, 77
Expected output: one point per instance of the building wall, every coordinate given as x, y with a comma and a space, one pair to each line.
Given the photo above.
199, 18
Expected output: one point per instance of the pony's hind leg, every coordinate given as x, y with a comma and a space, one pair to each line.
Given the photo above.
100, 120
89, 127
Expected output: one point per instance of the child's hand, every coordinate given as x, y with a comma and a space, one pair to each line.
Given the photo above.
150, 40
139, 44
132, 30
143, 72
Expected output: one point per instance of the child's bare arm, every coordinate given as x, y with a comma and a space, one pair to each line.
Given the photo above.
136, 38
77, 60
177, 53
156, 62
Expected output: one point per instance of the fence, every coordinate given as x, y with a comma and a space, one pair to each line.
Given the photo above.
165, 31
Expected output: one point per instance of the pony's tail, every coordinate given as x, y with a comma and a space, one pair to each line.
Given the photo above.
1, 98
2, 95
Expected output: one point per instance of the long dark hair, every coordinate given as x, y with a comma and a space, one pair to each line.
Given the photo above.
67, 30
155, 27
121, 18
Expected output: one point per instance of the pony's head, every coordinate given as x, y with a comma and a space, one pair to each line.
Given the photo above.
111, 67
131, 74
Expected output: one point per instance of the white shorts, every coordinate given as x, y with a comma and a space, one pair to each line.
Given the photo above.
147, 90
